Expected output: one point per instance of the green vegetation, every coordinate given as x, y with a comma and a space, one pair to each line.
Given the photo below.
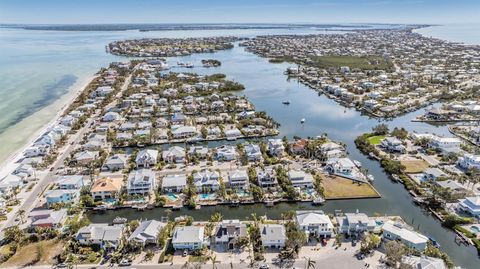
375, 140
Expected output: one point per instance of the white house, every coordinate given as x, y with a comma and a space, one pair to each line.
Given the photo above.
471, 205
315, 223
469, 161
396, 231
102, 234
174, 183
147, 232
273, 235
111, 116
392, 144
141, 181
238, 179
70, 182
229, 231
206, 180
300, 179
146, 158
253, 153
226, 153
188, 237
445, 144
174, 154
266, 178
116, 162
355, 223
275, 147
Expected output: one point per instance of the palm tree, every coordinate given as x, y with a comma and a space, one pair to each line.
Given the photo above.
309, 263
214, 261
21, 215
73, 260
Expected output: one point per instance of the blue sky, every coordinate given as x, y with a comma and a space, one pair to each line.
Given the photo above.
239, 11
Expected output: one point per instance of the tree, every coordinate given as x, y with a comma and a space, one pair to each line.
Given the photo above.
369, 243
21, 215
214, 261
309, 263
13, 234
381, 129
73, 260
216, 217
394, 252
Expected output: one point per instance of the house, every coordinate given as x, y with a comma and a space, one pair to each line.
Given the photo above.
174, 183
314, 223
433, 173
24, 170
253, 153
423, 262
445, 144
10, 182
174, 154
355, 223
147, 232
238, 179
106, 188
300, 179
47, 218
101, 234
199, 152
184, 132
188, 237
275, 147
70, 182
228, 232
61, 196
273, 235
396, 231
232, 134
226, 153
86, 157
452, 185
392, 144
111, 116
146, 158
469, 161
266, 178
297, 147
471, 205
116, 162
141, 182
206, 180
36, 151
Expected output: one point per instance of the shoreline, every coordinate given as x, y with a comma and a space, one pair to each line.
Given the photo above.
8, 164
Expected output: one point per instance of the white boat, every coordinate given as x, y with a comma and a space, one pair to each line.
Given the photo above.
357, 163
370, 178
287, 102
302, 120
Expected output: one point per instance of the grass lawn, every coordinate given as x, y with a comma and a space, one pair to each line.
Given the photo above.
375, 140
38, 253
366, 62
414, 166
342, 188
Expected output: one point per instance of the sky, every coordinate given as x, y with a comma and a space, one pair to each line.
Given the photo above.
239, 11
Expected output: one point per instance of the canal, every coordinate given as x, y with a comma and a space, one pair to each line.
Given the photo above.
267, 87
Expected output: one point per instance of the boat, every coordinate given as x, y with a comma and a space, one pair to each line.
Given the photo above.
370, 178
434, 242
318, 201
189, 65
395, 178
119, 220
177, 207
234, 203
302, 120
357, 163
286, 102
269, 203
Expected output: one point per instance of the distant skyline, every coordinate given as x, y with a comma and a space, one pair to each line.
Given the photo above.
244, 11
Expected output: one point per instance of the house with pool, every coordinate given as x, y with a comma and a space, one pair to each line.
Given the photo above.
174, 183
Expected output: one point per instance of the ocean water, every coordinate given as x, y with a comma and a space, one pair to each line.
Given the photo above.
464, 33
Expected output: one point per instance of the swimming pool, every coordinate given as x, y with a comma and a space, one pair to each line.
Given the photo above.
474, 229
208, 196
172, 197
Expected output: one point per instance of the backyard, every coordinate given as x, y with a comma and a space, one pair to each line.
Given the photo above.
342, 188
375, 140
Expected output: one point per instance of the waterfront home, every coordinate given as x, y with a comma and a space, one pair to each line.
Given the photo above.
206, 180
445, 144
174, 154
36, 151
106, 188
232, 134
392, 144
111, 116
300, 179
61, 196
24, 170
141, 182
188, 237
227, 232
68, 120
423, 262
174, 183
106, 236
354, 223
101, 91
10, 182
297, 147
342, 166
47, 218
452, 185
397, 231
471, 205
275, 147
199, 152
314, 223
116, 162
146, 232
70, 182
371, 104
266, 178
238, 179
226, 153
86, 157
273, 235
253, 153
146, 158
469, 161
184, 131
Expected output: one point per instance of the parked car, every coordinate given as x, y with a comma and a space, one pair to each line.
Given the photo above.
125, 263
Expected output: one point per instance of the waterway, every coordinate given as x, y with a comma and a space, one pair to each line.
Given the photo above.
52, 61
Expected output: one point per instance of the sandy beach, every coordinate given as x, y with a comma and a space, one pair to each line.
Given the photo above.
20, 136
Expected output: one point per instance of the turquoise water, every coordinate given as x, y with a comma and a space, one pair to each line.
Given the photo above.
475, 229
208, 196
172, 197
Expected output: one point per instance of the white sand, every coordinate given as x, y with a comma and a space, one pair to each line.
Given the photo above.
21, 135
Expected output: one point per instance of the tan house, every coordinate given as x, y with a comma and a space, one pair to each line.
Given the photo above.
105, 188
